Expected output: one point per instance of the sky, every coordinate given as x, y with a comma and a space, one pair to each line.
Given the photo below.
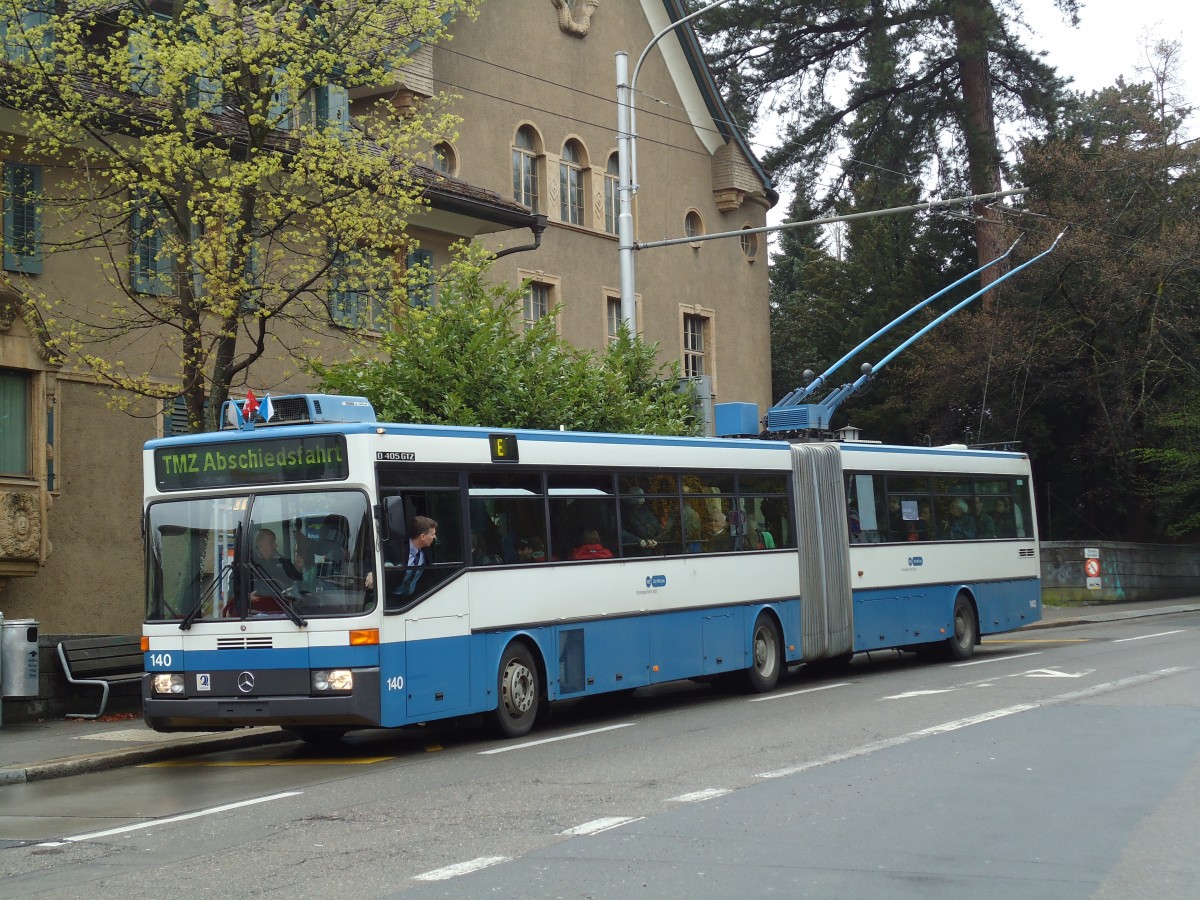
1109, 40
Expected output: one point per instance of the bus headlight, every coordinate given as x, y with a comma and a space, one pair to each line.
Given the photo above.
325, 680
167, 683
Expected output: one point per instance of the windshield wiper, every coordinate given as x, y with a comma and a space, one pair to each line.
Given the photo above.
191, 617
277, 595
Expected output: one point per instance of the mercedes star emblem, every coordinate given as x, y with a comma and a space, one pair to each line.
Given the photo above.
246, 682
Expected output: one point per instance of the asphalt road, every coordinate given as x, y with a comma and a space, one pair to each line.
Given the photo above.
1061, 763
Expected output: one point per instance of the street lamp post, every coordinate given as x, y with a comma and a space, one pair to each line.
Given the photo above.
626, 164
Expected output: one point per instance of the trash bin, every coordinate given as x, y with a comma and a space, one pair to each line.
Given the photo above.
19, 658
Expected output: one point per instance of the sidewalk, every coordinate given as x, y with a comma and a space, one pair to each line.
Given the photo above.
55, 748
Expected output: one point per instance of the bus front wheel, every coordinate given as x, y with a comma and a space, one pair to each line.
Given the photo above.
961, 645
518, 689
765, 655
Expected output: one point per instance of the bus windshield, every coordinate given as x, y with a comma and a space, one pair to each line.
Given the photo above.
261, 555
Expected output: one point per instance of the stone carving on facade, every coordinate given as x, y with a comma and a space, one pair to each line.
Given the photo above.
20, 526
575, 16
13, 306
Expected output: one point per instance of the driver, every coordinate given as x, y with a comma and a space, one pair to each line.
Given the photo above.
272, 574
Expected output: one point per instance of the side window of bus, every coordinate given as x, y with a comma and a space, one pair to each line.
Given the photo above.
866, 509
663, 499
910, 514
708, 503
583, 516
954, 504
649, 511
508, 518
763, 505
406, 495
1017, 519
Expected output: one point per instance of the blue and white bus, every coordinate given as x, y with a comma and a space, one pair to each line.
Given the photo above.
565, 565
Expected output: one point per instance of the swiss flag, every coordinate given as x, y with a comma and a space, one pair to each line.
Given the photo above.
250, 407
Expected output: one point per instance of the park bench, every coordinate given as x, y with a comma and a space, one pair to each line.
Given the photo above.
101, 661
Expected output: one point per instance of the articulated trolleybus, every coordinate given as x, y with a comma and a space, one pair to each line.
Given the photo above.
282, 587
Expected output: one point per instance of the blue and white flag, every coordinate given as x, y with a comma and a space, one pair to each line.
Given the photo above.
267, 409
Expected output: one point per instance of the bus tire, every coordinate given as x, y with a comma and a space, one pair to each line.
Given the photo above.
518, 691
961, 644
766, 655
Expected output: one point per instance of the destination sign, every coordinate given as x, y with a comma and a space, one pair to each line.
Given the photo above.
269, 461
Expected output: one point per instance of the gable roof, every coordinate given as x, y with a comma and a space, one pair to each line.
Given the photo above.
702, 100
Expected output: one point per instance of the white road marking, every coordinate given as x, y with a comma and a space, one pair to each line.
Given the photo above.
462, 868
696, 796
1144, 636
973, 720
909, 694
823, 687
91, 836
992, 659
598, 825
1054, 673
561, 737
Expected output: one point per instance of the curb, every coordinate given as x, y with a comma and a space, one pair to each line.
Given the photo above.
1110, 616
133, 756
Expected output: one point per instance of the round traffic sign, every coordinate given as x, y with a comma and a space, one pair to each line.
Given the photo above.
1091, 567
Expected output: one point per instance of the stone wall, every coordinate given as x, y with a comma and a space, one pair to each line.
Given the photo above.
1128, 572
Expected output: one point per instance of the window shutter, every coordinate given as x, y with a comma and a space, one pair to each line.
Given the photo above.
22, 218
141, 75
281, 102
344, 302
420, 294
149, 270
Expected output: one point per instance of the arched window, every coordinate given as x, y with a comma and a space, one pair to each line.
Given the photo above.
570, 183
612, 200
445, 160
693, 225
525, 168
749, 243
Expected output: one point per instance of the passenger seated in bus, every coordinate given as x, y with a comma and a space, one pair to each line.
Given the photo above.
590, 547
639, 527
479, 553
985, 525
531, 550
666, 514
692, 529
719, 538
271, 575
896, 524
961, 526
1006, 521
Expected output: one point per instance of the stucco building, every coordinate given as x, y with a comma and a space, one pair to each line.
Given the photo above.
531, 174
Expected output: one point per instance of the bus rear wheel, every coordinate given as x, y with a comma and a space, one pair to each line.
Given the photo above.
961, 645
766, 656
518, 690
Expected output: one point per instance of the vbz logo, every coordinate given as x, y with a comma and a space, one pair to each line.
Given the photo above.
915, 561
656, 581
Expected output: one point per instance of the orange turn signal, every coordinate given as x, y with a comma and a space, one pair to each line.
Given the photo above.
145, 644
364, 636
